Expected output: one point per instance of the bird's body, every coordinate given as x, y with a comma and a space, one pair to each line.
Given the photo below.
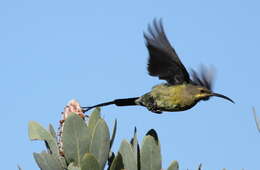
180, 92
165, 97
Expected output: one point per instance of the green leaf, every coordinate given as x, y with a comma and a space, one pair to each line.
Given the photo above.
117, 163
110, 159
200, 167
128, 156
62, 162
150, 152
47, 161
52, 132
113, 134
174, 166
37, 132
93, 119
135, 146
73, 167
100, 142
75, 138
89, 162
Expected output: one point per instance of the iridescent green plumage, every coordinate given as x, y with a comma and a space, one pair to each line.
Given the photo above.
180, 92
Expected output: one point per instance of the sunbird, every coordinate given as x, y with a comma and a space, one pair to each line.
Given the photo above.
180, 91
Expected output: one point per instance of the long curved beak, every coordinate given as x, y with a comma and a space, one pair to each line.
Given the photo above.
222, 96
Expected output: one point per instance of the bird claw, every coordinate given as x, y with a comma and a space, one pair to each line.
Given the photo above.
154, 109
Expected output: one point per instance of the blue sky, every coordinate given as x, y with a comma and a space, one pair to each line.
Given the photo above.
93, 51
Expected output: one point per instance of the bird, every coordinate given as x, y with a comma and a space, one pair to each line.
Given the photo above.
181, 91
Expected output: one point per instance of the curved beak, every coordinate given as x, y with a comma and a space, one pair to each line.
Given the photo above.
222, 96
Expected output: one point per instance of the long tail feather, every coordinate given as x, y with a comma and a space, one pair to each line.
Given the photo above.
117, 102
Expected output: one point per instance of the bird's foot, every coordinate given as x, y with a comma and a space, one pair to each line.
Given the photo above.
154, 109
157, 112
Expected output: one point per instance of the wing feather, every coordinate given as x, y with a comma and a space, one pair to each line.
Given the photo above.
204, 77
163, 60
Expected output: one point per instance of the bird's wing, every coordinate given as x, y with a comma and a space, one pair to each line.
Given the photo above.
163, 60
204, 77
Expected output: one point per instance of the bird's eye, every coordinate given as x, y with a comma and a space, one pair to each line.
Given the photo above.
203, 91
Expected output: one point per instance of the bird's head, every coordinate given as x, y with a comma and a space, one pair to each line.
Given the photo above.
202, 93
202, 84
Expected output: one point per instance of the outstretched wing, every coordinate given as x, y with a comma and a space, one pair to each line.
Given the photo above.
163, 60
204, 77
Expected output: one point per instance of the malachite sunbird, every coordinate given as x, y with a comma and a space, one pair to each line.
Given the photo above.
181, 91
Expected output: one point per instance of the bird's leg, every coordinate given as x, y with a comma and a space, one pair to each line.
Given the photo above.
157, 112
148, 101
153, 108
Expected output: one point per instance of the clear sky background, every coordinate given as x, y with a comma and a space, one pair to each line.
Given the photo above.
93, 51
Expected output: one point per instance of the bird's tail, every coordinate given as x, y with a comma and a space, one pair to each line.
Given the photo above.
117, 102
